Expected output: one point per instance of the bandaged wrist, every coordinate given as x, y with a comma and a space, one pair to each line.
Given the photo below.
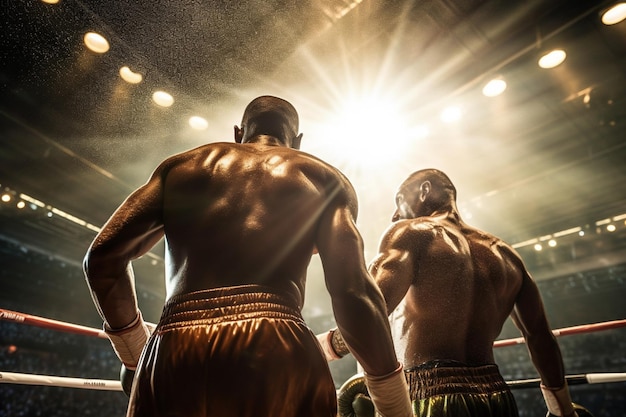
129, 341
338, 344
328, 346
390, 393
558, 400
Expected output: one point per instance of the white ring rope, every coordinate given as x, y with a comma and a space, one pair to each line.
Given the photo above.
60, 381
109, 385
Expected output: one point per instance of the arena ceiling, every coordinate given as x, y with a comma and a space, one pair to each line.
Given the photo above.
546, 156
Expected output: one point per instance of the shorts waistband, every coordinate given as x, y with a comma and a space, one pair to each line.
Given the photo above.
451, 377
225, 304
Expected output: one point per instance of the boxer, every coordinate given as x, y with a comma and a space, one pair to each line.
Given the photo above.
241, 222
456, 285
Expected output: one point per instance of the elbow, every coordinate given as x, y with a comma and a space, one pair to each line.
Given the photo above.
90, 266
101, 264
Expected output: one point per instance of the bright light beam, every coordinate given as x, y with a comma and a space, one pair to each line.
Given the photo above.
363, 132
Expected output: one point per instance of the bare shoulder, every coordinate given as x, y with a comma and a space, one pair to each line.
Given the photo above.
509, 252
328, 178
411, 232
316, 164
203, 151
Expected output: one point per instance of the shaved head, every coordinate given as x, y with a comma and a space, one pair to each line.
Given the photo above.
270, 115
437, 178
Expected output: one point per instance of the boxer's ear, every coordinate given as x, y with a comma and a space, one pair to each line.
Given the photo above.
238, 134
295, 142
425, 190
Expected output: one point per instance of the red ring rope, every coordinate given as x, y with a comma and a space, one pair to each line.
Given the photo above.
600, 378
89, 331
585, 328
16, 317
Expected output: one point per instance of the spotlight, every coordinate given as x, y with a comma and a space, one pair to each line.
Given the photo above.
130, 76
615, 14
162, 98
198, 123
494, 87
96, 42
451, 114
552, 58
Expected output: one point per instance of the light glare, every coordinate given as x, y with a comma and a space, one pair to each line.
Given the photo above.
129, 76
96, 42
451, 114
494, 87
198, 123
615, 14
552, 58
363, 131
162, 98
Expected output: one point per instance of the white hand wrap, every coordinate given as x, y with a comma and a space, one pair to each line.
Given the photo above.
558, 400
390, 394
129, 341
327, 346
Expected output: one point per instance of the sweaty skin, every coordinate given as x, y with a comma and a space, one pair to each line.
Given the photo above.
251, 212
457, 284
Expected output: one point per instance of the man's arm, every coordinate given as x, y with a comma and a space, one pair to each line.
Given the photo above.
529, 316
359, 307
357, 302
134, 228
393, 269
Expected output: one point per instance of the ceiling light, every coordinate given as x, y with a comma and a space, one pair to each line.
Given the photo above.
162, 98
21, 205
50, 1
451, 114
129, 76
494, 87
198, 123
6, 198
615, 14
419, 131
96, 42
552, 58
538, 247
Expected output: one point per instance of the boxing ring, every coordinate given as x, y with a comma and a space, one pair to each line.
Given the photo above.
115, 385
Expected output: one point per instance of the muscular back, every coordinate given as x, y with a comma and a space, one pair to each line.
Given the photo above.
237, 214
462, 285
